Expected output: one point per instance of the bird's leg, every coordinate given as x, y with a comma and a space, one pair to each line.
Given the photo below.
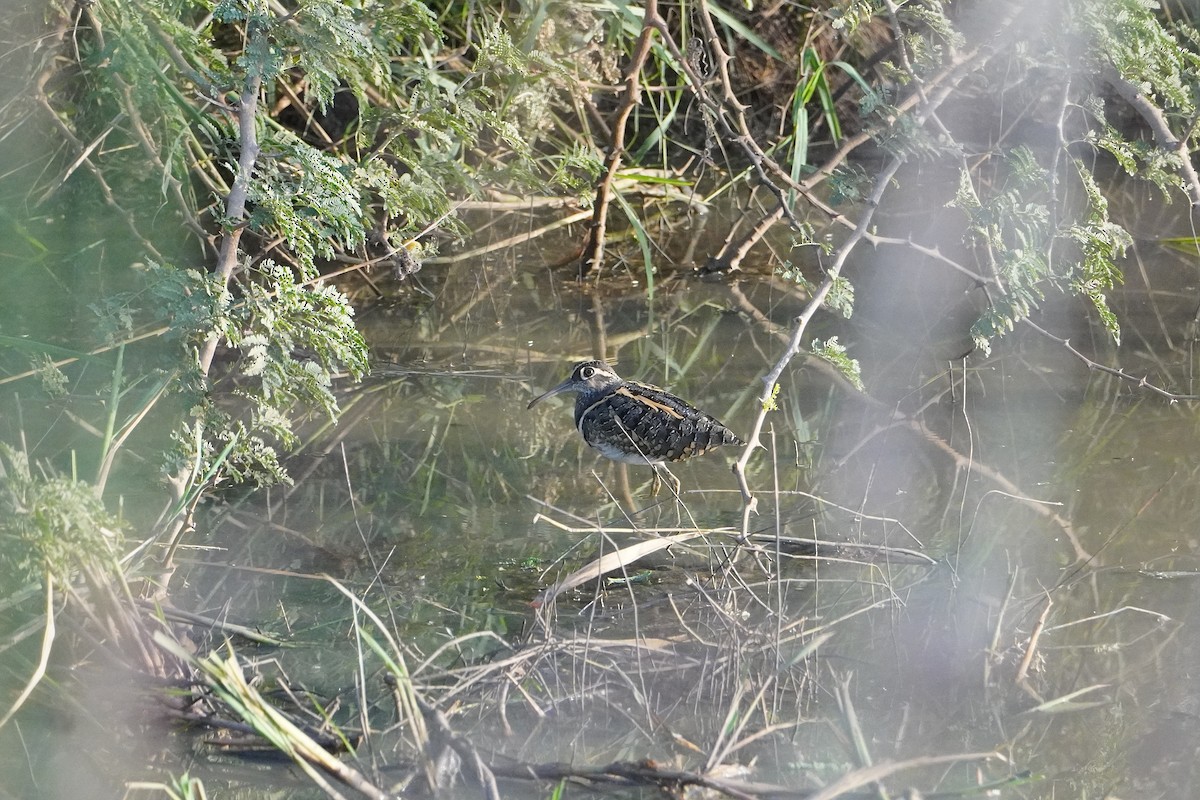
675, 482
656, 481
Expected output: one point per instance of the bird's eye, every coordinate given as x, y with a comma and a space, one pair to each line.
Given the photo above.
587, 372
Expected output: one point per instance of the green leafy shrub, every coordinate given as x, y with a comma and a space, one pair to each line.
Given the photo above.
49, 524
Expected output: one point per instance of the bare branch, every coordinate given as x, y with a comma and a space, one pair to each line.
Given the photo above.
1163, 135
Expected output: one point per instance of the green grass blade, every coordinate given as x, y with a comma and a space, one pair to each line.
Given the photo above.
643, 240
731, 22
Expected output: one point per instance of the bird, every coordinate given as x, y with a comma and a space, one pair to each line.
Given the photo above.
638, 423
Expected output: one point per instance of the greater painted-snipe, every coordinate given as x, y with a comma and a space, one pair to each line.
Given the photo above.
638, 423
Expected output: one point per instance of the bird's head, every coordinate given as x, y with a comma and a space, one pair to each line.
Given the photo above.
587, 376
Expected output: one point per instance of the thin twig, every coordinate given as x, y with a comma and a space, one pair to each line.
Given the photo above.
593, 250
1094, 366
1031, 649
750, 502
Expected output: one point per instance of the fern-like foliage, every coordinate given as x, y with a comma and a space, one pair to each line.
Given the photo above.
1101, 243
291, 341
840, 298
1011, 225
1127, 36
850, 14
1139, 158
308, 197
1029, 255
49, 524
834, 353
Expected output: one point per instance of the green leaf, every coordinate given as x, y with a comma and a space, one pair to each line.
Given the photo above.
834, 353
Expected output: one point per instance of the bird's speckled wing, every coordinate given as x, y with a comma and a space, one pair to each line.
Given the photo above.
638, 423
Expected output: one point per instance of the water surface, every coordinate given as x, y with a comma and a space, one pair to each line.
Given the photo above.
1053, 625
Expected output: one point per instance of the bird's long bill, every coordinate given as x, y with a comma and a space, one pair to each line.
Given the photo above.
562, 387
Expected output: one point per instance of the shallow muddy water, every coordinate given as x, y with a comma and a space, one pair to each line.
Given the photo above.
1046, 614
